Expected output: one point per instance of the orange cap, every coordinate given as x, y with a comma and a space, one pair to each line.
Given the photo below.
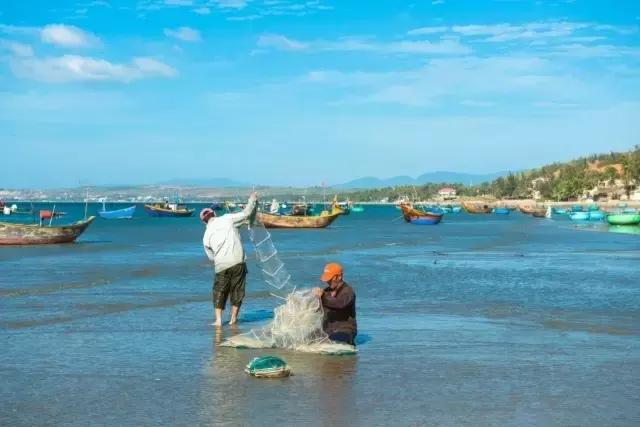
330, 271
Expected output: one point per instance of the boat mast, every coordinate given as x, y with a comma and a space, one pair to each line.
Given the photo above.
86, 204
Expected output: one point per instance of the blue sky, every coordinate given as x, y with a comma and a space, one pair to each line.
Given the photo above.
276, 92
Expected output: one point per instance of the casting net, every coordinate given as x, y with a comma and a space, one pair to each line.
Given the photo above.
297, 323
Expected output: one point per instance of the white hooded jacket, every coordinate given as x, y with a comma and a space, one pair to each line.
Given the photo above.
221, 239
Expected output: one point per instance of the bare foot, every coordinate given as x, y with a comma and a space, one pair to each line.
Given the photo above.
233, 321
217, 324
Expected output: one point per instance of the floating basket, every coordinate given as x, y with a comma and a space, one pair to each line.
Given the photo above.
268, 367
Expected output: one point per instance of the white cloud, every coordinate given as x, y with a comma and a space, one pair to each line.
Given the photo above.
16, 48
67, 36
183, 33
427, 30
244, 18
463, 80
18, 30
69, 68
478, 104
232, 4
202, 11
446, 46
578, 50
281, 42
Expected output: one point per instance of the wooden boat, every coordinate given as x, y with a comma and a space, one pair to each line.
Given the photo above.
418, 216
34, 234
47, 214
296, 221
425, 220
624, 219
168, 210
475, 208
539, 212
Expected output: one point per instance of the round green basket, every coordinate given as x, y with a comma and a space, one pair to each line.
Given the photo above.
268, 367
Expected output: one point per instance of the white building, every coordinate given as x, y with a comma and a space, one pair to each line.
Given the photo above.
447, 193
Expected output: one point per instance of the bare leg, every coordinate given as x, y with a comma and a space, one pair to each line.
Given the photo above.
218, 321
234, 314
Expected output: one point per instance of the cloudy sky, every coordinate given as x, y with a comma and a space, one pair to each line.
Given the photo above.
301, 92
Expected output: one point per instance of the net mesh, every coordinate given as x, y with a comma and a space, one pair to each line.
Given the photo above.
296, 324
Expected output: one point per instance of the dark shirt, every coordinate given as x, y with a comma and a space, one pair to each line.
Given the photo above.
340, 311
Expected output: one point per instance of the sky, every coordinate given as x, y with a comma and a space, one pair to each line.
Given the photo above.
288, 92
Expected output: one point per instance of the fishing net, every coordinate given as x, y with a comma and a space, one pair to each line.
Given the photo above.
296, 324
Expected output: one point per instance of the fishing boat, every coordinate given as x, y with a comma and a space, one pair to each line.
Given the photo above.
296, 221
425, 220
475, 208
629, 210
501, 211
559, 211
539, 212
596, 215
126, 213
38, 234
357, 209
418, 216
527, 210
579, 216
456, 209
168, 210
47, 214
623, 219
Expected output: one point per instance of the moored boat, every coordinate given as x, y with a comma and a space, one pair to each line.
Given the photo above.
296, 221
418, 216
476, 208
539, 212
35, 234
596, 215
579, 216
425, 220
168, 210
501, 211
623, 219
126, 213
357, 209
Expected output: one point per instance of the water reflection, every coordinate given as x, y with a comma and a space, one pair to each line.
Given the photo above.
320, 391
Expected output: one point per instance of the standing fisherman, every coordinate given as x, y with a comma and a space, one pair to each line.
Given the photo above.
223, 246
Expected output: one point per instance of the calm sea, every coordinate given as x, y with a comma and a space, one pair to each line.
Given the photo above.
481, 321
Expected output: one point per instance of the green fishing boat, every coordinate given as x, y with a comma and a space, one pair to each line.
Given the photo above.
624, 219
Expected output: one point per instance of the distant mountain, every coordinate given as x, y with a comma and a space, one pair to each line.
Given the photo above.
430, 177
206, 182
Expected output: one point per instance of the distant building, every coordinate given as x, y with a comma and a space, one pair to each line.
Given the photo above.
447, 193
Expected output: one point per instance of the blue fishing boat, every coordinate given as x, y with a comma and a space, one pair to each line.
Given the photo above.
579, 216
126, 213
576, 208
425, 220
593, 208
559, 211
629, 210
456, 209
596, 216
501, 211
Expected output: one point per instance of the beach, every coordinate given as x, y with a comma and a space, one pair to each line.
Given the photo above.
479, 321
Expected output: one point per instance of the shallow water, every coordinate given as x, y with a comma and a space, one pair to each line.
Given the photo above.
481, 320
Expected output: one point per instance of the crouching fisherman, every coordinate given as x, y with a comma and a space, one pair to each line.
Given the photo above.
223, 246
339, 304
